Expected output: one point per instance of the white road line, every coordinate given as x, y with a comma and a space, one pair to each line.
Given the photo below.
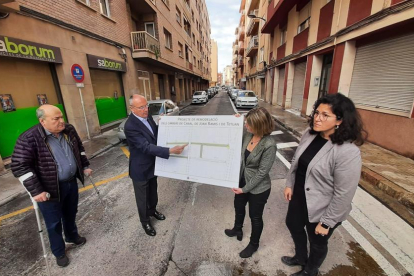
371, 250
234, 108
382, 239
287, 145
284, 161
276, 132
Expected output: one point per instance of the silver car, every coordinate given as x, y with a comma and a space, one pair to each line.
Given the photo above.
246, 98
155, 109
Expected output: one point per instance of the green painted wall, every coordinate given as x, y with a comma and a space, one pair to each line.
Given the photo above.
110, 110
12, 124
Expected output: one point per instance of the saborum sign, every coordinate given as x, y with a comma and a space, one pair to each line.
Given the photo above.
106, 63
12, 47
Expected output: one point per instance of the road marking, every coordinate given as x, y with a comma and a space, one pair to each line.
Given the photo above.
371, 250
284, 161
125, 151
81, 190
287, 145
277, 132
234, 108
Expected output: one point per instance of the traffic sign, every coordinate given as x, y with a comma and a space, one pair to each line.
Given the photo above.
77, 73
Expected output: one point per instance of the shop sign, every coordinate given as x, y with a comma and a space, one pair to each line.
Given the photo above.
12, 47
106, 63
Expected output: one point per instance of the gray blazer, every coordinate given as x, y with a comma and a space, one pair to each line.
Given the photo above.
258, 164
331, 180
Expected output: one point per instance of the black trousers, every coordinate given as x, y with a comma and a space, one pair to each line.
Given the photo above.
256, 206
297, 220
146, 196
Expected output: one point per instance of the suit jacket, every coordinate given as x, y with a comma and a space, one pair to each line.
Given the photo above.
258, 164
331, 179
143, 148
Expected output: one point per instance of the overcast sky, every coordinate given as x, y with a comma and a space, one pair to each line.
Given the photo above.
224, 19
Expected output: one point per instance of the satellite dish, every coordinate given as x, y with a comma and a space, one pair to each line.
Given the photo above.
4, 15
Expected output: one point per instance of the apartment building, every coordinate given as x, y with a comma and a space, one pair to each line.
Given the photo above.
361, 48
214, 63
160, 49
228, 75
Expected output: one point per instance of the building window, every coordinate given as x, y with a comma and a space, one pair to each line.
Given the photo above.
187, 26
180, 49
86, 2
104, 5
192, 15
166, 2
168, 39
178, 15
304, 25
194, 61
193, 39
187, 4
150, 28
283, 33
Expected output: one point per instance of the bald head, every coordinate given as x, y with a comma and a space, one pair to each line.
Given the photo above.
51, 118
138, 105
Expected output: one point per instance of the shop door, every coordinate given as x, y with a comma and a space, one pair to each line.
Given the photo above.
24, 85
298, 86
383, 76
109, 95
144, 84
281, 86
325, 75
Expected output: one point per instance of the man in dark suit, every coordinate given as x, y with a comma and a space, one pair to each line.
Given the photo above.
141, 133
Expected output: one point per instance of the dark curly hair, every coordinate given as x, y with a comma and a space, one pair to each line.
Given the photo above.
351, 129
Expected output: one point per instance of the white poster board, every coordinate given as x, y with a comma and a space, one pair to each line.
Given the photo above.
213, 153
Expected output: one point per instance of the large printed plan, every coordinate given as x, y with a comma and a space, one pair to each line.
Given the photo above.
213, 152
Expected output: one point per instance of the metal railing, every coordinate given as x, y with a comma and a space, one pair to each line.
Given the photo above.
143, 41
253, 21
254, 42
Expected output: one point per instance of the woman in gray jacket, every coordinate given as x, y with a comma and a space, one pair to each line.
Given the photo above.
258, 155
322, 180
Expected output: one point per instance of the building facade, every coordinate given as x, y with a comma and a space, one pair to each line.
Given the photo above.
214, 63
220, 78
160, 49
362, 49
228, 75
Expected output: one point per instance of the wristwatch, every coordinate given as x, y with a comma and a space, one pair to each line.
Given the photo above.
325, 226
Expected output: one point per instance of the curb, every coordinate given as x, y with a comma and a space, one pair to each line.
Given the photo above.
11, 198
102, 150
283, 124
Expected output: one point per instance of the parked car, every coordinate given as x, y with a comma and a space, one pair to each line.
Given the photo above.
233, 94
155, 109
200, 97
210, 93
246, 98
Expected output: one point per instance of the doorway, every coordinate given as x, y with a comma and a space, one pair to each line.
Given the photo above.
325, 75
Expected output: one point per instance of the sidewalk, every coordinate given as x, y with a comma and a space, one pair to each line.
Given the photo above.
10, 187
387, 176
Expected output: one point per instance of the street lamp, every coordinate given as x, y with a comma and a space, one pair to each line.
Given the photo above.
252, 16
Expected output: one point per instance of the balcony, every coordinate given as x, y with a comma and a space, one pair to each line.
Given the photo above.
253, 46
241, 33
145, 45
241, 47
253, 27
252, 5
281, 51
240, 62
237, 31
300, 41
236, 49
189, 66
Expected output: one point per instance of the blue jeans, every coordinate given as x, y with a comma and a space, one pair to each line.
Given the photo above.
61, 213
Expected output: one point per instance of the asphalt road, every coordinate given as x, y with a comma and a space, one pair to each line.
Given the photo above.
191, 241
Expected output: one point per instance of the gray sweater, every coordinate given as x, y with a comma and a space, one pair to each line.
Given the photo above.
258, 164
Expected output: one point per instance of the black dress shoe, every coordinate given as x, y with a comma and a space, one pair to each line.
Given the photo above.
249, 250
238, 232
149, 229
304, 273
158, 216
62, 261
292, 261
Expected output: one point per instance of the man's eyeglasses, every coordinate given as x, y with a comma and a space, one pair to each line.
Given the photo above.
141, 107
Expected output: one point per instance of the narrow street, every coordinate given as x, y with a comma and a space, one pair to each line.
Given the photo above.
191, 241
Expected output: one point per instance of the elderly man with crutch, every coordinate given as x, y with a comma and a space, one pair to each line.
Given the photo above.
47, 159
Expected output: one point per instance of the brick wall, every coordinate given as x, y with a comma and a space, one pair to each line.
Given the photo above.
74, 12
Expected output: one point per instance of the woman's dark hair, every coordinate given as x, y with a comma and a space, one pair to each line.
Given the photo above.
351, 129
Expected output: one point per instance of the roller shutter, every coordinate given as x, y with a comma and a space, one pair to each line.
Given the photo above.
281, 86
298, 86
383, 75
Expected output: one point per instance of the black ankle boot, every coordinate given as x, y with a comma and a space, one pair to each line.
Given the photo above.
249, 250
236, 231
